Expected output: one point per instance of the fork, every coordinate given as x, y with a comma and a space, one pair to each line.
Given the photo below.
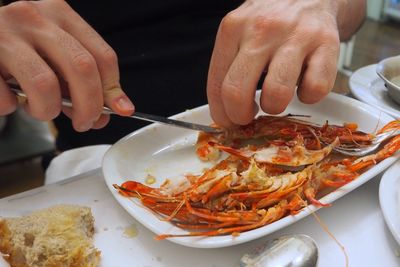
366, 149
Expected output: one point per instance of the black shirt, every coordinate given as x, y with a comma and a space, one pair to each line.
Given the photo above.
164, 48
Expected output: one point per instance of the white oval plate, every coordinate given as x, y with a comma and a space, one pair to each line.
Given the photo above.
367, 86
168, 152
389, 199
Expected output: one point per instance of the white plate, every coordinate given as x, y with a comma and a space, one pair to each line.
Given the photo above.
168, 152
389, 199
366, 86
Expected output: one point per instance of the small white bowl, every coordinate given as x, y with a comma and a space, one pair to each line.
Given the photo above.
389, 70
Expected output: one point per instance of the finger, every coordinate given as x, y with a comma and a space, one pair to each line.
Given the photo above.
280, 83
104, 55
240, 84
34, 76
78, 68
225, 50
319, 76
8, 101
101, 122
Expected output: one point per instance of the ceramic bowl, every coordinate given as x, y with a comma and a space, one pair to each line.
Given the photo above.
389, 70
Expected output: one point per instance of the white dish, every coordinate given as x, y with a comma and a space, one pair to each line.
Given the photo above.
389, 199
367, 86
389, 71
168, 152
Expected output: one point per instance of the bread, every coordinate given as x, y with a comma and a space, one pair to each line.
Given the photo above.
57, 236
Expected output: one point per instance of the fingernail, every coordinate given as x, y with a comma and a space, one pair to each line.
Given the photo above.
85, 127
125, 104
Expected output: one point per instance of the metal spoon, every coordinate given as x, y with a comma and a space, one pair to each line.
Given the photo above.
286, 251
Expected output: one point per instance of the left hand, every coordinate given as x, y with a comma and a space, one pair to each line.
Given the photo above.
295, 42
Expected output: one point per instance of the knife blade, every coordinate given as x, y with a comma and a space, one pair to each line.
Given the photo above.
137, 115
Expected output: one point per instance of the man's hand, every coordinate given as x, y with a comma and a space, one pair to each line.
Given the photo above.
50, 51
296, 42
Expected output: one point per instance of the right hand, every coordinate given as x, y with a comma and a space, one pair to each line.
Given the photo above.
44, 43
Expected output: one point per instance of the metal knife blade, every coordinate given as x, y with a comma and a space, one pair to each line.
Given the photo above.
137, 115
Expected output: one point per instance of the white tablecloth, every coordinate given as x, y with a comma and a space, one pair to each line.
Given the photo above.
356, 221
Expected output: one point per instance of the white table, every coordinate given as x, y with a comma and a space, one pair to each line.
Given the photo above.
356, 221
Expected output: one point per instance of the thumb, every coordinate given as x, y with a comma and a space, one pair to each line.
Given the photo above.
118, 101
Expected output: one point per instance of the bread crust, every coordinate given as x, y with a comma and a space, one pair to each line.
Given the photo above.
59, 236
5, 245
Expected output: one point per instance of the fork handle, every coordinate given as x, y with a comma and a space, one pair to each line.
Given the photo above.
64, 101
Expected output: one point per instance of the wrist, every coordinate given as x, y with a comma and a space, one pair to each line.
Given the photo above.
350, 16
342, 10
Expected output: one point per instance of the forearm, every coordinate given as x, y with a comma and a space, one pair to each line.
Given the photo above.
350, 16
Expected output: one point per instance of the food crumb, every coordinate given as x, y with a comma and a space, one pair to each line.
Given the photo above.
130, 231
105, 229
95, 200
150, 179
158, 258
397, 252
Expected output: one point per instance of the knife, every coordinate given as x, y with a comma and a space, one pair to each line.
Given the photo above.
137, 115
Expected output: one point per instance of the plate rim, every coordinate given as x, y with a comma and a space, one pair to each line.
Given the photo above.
353, 84
222, 241
390, 201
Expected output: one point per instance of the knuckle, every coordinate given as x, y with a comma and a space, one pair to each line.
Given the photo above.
271, 24
234, 97
331, 37
230, 21
308, 30
109, 56
43, 82
319, 88
24, 10
280, 92
92, 109
254, 48
276, 98
84, 63
315, 91
291, 49
320, 33
232, 93
20, 7
282, 74
60, 3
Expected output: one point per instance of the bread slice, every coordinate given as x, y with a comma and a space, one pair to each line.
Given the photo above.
57, 236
